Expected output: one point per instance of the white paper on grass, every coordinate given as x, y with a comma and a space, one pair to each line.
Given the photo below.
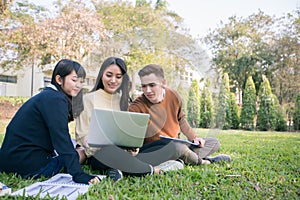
61, 185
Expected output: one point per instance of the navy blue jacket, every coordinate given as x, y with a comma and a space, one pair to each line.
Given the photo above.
39, 127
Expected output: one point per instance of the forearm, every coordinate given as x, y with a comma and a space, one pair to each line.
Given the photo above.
187, 130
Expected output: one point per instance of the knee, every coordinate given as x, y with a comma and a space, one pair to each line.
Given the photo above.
217, 143
213, 142
181, 148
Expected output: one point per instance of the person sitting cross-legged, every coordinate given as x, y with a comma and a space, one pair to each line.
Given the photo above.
167, 118
111, 91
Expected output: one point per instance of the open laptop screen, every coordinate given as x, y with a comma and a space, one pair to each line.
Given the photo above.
121, 128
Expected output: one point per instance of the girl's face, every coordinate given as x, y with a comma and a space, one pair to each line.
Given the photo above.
71, 84
112, 78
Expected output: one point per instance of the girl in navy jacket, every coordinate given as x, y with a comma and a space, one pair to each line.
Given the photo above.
37, 140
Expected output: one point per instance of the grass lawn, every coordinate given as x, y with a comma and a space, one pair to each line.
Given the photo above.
266, 165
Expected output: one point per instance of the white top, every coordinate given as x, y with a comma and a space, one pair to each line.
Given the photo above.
97, 99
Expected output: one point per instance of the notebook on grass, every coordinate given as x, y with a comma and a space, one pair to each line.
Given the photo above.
126, 129
60, 186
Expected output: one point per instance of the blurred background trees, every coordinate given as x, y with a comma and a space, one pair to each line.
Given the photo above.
248, 56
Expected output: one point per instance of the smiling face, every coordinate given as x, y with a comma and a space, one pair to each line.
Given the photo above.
112, 78
153, 88
71, 84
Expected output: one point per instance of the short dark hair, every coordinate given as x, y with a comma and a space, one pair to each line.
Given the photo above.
152, 69
63, 68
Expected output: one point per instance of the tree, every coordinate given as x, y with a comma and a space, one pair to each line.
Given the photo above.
296, 114
286, 69
248, 112
241, 47
260, 45
139, 32
206, 109
73, 34
184, 94
193, 105
223, 116
234, 112
145, 34
12, 20
266, 119
4, 5
280, 121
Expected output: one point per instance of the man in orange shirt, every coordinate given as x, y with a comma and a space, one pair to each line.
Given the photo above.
167, 118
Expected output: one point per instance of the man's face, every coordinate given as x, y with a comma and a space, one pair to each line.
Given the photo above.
153, 87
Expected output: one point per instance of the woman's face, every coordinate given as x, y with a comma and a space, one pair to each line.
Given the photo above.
72, 84
112, 78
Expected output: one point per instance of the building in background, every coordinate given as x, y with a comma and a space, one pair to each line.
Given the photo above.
31, 81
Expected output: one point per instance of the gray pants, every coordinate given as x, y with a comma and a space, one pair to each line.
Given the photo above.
194, 155
150, 155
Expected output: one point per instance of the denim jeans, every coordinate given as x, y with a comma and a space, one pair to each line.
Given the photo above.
55, 165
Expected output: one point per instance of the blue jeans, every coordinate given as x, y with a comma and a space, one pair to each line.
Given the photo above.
55, 165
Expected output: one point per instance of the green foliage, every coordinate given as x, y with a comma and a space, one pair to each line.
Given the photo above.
206, 107
148, 34
280, 121
193, 105
74, 33
296, 114
251, 46
283, 78
184, 94
240, 48
223, 116
249, 105
265, 166
140, 34
13, 100
234, 112
266, 119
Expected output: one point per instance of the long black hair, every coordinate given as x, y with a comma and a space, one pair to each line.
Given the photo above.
63, 68
124, 88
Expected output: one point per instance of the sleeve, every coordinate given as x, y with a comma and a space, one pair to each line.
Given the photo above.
134, 108
185, 128
55, 113
82, 124
137, 106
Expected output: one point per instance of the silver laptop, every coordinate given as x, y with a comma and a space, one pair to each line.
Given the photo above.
126, 129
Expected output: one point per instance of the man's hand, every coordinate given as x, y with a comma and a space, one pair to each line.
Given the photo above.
199, 141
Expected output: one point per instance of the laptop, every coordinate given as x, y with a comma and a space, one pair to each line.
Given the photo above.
121, 128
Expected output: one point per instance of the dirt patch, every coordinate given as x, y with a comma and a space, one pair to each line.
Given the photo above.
7, 110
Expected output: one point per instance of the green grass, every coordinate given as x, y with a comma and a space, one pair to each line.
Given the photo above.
266, 165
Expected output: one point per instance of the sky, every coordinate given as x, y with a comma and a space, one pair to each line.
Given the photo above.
201, 15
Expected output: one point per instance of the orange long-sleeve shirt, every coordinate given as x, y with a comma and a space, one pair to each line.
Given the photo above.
166, 117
